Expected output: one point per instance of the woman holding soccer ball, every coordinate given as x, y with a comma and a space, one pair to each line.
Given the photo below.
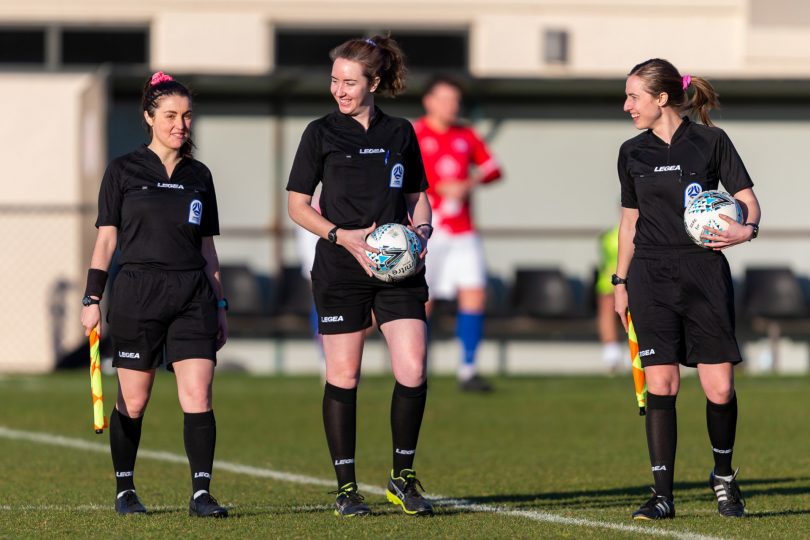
680, 294
158, 206
370, 168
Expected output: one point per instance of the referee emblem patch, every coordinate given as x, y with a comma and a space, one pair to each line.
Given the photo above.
195, 212
397, 174
692, 190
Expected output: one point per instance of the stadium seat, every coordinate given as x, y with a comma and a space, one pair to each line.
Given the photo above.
244, 290
773, 292
295, 296
543, 293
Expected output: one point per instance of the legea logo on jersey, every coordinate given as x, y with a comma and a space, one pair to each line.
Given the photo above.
397, 174
127, 354
333, 318
667, 168
195, 212
692, 190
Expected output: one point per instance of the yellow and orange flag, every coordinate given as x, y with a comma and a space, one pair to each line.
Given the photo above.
639, 381
99, 420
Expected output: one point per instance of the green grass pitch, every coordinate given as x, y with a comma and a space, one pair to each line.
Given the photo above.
548, 457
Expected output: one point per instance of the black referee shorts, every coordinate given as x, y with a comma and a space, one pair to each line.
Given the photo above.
151, 309
345, 295
682, 304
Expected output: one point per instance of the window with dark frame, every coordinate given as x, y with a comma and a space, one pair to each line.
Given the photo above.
425, 50
81, 46
22, 46
555, 50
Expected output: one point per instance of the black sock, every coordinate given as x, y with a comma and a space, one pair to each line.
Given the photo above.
339, 422
125, 436
662, 439
722, 423
200, 437
407, 408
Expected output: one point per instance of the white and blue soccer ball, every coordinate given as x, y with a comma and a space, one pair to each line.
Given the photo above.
705, 210
399, 252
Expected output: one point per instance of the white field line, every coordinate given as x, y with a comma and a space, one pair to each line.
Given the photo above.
258, 472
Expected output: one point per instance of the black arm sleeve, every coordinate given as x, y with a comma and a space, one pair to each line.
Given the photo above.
307, 168
730, 166
415, 177
110, 198
628, 186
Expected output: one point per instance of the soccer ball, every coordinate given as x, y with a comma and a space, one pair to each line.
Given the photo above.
399, 252
705, 210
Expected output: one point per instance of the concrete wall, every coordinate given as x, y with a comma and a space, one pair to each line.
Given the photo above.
53, 149
714, 37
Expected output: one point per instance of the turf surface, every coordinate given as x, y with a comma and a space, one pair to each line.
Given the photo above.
550, 447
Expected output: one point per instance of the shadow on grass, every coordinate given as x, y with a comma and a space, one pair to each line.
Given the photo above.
622, 497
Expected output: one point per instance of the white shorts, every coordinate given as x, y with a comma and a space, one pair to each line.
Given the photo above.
454, 261
305, 242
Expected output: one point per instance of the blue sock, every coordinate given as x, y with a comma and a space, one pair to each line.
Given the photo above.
470, 330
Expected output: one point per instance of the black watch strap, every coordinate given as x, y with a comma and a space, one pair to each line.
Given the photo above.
332, 235
429, 228
90, 301
756, 229
616, 280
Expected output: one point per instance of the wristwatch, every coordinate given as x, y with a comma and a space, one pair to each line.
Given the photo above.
89, 301
756, 229
332, 235
429, 229
223, 304
616, 280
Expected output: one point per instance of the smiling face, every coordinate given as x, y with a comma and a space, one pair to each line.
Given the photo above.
351, 88
171, 123
644, 108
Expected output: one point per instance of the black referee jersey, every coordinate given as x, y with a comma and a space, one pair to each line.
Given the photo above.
659, 179
161, 220
364, 173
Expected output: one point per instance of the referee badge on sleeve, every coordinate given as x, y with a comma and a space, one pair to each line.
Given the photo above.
195, 212
397, 174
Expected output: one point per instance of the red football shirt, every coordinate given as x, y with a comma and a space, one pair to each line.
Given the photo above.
448, 157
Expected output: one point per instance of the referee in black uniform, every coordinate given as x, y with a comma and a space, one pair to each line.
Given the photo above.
680, 294
371, 169
159, 206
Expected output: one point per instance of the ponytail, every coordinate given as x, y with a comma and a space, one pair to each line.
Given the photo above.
661, 76
704, 98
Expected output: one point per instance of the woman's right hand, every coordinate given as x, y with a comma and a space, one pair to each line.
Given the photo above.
354, 241
620, 303
91, 317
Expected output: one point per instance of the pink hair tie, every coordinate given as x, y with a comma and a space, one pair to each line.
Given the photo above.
160, 77
686, 81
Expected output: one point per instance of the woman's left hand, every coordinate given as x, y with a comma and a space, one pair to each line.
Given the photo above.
736, 233
222, 332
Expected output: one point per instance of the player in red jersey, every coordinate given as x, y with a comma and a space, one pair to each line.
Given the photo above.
456, 162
